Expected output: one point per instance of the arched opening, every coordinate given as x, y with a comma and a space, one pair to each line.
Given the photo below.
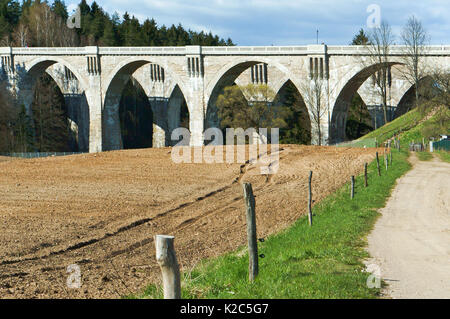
343, 102
136, 117
52, 130
359, 120
298, 130
226, 80
408, 101
177, 113
51, 116
140, 111
236, 92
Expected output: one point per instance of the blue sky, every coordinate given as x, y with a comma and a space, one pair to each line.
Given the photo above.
285, 22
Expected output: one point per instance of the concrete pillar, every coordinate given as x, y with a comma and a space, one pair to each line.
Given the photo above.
112, 135
196, 100
94, 98
196, 122
173, 116
160, 125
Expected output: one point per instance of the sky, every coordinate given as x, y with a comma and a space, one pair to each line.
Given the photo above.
287, 22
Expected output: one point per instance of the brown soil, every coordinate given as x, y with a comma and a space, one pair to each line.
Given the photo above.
101, 211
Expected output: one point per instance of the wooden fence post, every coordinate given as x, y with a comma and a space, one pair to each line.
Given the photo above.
251, 232
352, 195
386, 161
390, 157
310, 217
366, 184
167, 260
378, 165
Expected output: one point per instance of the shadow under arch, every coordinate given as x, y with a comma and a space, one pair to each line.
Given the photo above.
340, 108
160, 105
298, 130
408, 100
75, 100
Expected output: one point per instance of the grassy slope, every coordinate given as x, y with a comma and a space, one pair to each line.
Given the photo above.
404, 123
324, 261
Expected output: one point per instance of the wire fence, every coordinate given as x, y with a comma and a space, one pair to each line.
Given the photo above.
443, 145
39, 154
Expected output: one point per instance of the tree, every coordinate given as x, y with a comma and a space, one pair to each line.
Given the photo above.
414, 38
380, 42
257, 111
315, 99
360, 39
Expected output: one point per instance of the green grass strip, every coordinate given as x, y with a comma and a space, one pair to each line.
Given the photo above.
424, 156
323, 261
445, 156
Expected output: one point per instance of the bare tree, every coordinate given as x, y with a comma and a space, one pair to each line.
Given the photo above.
315, 99
380, 41
414, 38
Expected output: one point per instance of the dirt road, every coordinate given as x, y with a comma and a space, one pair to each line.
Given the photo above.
411, 241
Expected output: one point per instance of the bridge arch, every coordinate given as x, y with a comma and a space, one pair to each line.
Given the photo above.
287, 94
159, 102
340, 106
407, 100
227, 76
76, 103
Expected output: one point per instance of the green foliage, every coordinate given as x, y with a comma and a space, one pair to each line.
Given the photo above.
360, 39
359, 121
298, 128
399, 125
52, 132
136, 118
23, 131
438, 124
323, 261
444, 155
424, 156
97, 27
235, 112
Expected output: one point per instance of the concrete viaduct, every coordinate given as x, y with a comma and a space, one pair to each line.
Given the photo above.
92, 80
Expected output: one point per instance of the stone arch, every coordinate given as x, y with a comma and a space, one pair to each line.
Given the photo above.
301, 114
75, 101
408, 97
115, 84
38, 66
227, 75
339, 110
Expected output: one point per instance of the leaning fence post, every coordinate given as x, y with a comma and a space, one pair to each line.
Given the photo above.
352, 195
251, 232
310, 217
378, 165
167, 260
365, 175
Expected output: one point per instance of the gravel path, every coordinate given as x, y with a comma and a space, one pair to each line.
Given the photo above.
411, 241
